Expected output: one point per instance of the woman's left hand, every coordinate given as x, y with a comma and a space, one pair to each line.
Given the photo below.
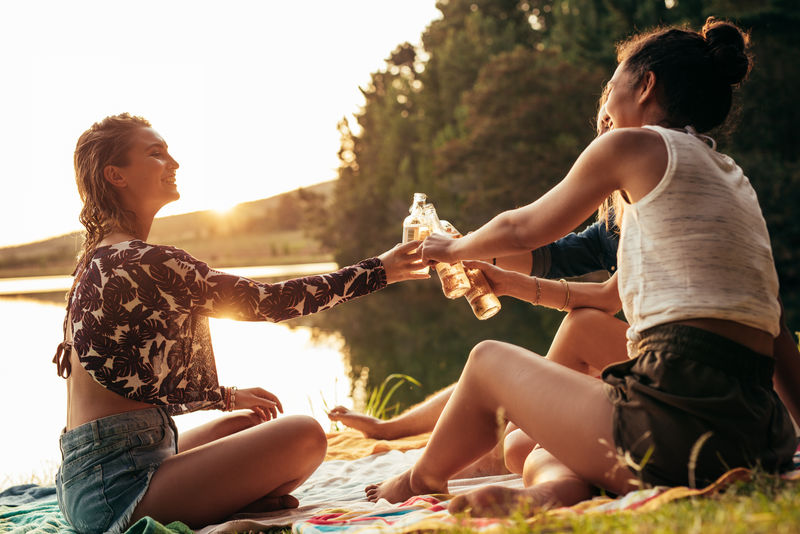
263, 403
496, 276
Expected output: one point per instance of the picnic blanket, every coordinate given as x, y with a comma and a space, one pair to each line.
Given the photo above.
29, 508
332, 499
429, 512
350, 444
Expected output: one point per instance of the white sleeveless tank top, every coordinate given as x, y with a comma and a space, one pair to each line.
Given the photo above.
697, 246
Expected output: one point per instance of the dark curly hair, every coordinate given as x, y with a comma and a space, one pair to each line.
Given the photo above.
695, 72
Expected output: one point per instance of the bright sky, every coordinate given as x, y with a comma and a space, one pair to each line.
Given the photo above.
247, 93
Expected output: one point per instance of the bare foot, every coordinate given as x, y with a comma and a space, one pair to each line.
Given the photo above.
401, 488
497, 501
369, 426
271, 503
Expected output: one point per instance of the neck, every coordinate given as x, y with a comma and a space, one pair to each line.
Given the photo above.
140, 231
144, 221
656, 117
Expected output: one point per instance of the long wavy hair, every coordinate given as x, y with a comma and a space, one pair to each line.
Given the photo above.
105, 143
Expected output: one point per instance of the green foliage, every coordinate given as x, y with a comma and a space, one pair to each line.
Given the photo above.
378, 403
489, 113
765, 505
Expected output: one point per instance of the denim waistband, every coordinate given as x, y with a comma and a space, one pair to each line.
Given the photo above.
708, 348
112, 425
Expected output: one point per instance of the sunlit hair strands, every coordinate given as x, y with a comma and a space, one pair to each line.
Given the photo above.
105, 143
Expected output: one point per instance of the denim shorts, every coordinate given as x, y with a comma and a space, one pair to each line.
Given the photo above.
696, 404
107, 465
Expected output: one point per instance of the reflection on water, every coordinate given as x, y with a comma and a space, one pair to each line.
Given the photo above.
283, 360
46, 284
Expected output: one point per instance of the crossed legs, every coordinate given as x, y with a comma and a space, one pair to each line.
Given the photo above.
252, 468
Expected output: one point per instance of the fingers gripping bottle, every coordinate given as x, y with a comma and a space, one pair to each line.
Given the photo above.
481, 298
415, 226
452, 276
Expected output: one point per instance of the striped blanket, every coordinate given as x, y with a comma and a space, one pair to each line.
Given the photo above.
429, 512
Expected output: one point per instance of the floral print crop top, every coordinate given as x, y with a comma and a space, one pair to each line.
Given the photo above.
139, 313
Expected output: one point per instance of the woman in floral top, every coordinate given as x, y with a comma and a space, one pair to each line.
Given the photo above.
137, 350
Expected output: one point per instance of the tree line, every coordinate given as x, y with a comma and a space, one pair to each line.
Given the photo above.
489, 113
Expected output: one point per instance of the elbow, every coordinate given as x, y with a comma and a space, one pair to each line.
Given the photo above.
514, 227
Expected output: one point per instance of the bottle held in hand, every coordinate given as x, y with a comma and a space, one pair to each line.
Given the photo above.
481, 298
452, 275
415, 226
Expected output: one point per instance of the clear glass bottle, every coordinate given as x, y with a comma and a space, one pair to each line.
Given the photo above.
481, 298
452, 276
415, 226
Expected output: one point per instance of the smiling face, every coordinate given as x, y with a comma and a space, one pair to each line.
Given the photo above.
622, 100
147, 180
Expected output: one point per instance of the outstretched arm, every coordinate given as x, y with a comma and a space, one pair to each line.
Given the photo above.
632, 160
167, 278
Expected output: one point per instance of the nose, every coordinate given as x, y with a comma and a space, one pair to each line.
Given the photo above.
173, 162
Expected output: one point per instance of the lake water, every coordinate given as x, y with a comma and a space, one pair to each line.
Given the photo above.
290, 362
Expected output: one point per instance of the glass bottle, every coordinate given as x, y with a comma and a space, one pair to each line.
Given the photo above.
452, 276
482, 300
415, 227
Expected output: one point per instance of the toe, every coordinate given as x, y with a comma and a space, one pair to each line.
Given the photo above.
459, 504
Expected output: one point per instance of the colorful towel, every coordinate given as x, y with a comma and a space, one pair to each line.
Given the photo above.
29, 508
429, 512
350, 445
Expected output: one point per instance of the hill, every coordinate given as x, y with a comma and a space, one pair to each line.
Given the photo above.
265, 231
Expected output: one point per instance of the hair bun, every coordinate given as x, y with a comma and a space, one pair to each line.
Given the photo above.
727, 45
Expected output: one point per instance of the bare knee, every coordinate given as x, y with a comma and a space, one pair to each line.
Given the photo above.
484, 353
307, 439
579, 319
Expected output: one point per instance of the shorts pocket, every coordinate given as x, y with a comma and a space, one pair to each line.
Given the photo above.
150, 446
83, 501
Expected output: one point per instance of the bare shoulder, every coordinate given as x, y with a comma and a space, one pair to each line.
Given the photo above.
637, 155
632, 142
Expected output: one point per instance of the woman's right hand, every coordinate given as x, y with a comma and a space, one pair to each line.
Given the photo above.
263, 403
401, 261
439, 247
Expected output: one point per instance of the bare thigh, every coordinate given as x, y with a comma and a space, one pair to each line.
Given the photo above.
210, 482
588, 340
565, 411
218, 428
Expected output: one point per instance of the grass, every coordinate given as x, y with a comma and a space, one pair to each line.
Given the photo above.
767, 504
378, 404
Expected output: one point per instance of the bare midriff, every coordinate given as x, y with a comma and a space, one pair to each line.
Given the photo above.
87, 400
757, 340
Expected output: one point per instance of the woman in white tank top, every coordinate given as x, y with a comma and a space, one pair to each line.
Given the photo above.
700, 341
